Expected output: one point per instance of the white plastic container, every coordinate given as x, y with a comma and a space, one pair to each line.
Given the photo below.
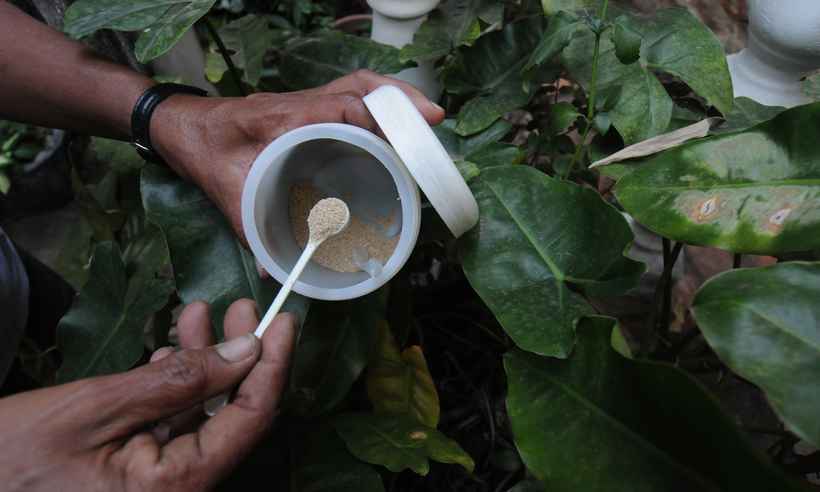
375, 179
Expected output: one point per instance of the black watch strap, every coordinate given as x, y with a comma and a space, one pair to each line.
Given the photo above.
144, 108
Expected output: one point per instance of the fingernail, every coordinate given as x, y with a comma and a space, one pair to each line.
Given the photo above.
439, 107
237, 349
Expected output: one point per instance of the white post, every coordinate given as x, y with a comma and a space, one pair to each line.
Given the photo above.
783, 47
394, 23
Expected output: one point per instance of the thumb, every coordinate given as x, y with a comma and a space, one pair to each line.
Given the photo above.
179, 381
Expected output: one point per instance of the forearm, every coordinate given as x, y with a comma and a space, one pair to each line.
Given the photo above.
50, 80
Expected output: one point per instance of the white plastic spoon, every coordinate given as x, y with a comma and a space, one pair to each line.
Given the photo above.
329, 217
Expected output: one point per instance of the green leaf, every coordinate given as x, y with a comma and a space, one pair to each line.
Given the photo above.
563, 26
398, 442
322, 463
763, 323
478, 151
160, 37
536, 235
314, 61
399, 383
5, 183
745, 114
674, 42
489, 73
333, 350
120, 156
552, 7
562, 116
755, 191
103, 331
249, 38
811, 86
84, 17
209, 263
626, 41
455, 23
581, 423
215, 67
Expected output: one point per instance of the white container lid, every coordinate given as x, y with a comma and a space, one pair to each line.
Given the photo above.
424, 156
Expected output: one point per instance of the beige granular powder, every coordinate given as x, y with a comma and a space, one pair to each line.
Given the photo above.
337, 252
327, 218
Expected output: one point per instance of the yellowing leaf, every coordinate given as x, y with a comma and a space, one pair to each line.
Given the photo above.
400, 383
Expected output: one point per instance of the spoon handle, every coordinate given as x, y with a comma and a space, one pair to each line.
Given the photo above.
277, 303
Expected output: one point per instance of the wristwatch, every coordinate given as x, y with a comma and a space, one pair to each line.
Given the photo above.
144, 108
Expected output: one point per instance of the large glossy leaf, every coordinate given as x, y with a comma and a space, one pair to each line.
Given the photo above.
674, 42
322, 463
536, 235
209, 263
249, 38
314, 61
161, 36
756, 191
490, 73
85, 17
398, 442
601, 422
14, 302
399, 383
162, 22
333, 350
103, 331
453, 24
764, 323
481, 150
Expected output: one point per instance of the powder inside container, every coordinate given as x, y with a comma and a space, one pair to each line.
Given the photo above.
337, 253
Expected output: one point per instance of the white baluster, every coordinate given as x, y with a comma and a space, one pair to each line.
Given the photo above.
394, 23
783, 47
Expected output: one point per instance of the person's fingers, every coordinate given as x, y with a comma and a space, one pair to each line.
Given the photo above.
241, 318
224, 439
172, 384
161, 353
194, 326
363, 82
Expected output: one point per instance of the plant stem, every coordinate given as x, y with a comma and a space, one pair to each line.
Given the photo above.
226, 56
663, 293
593, 89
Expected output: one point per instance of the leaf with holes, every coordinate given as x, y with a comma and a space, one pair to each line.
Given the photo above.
314, 61
521, 259
580, 422
756, 191
763, 323
103, 331
398, 442
399, 383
